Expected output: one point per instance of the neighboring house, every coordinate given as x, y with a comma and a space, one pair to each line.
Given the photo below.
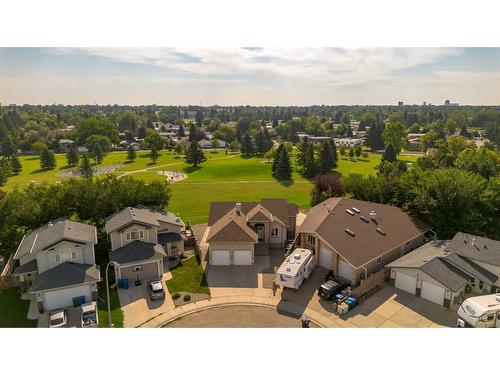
82, 149
206, 143
439, 271
66, 142
348, 142
414, 144
141, 238
356, 238
313, 138
57, 263
236, 228
135, 145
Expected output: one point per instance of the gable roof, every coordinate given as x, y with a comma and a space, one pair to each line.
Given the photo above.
474, 247
386, 227
232, 227
259, 213
66, 274
446, 273
471, 268
143, 215
54, 232
421, 255
137, 251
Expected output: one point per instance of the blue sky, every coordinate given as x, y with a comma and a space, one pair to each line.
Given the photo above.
254, 76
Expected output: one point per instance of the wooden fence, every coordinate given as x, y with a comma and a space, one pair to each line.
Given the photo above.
9, 281
371, 282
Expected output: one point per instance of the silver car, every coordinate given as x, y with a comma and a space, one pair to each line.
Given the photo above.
58, 319
156, 290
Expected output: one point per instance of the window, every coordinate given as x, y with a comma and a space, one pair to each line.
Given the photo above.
73, 255
379, 260
275, 232
481, 284
135, 235
57, 257
311, 240
490, 317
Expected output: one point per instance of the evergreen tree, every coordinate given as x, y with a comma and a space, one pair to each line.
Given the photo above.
72, 156
358, 150
351, 152
283, 169
247, 147
389, 153
85, 168
276, 157
192, 132
326, 159
47, 159
259, 143
194, 154
334, 152
302, 148
181, 132
374, 137
131, 154
16, 165
309, 167
5, 170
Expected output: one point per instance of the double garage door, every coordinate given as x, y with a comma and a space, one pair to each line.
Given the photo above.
326, 261
430, 292
223, 257
59, 299
143, 272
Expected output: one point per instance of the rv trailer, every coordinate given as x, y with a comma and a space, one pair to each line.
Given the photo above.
480, 312
296, 267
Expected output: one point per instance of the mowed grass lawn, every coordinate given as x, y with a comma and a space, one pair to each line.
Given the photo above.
13, 310
102, 307
221, 178
188, 277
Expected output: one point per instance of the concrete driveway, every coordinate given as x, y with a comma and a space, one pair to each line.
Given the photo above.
137, 307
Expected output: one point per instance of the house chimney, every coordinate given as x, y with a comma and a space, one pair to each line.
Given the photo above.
238, 208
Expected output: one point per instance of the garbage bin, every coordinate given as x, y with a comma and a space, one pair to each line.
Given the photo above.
305, 321
125, 283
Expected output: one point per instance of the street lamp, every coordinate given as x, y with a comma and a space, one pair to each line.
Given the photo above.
114, 264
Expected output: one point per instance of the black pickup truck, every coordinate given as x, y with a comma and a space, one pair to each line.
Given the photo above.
330, 288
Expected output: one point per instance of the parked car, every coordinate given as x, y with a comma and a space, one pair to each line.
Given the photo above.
58, 319
330, 288
156, 290
89, 316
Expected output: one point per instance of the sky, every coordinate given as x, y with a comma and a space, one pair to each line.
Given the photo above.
249, 76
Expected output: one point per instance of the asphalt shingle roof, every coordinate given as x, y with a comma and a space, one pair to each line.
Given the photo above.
137, 251
446, 273
145, 215
474, 247
65, 274
169, 237
31, 266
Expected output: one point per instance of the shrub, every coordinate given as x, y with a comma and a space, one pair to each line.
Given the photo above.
187, 298
175, 296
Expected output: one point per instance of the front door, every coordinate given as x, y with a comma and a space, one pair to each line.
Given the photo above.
260, 232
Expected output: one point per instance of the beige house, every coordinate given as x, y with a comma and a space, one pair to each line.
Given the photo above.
57, 264
356, 238
236, 228
140, 240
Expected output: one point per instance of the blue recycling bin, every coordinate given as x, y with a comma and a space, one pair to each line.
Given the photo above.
354, 300
125, 283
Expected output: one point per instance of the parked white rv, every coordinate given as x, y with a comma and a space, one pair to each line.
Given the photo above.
296, 267
480, 312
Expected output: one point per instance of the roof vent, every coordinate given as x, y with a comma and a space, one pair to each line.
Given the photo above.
381, 231
349, 212
288, 269
356, 210
364, 219
350, 232
372, 213
238, 207
297, 256
50, 224
473, 241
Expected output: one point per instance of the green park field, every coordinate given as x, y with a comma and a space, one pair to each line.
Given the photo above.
222, 177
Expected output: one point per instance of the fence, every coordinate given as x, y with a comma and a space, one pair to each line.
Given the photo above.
9, 281
371, 282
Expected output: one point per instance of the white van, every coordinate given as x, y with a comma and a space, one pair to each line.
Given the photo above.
480, 312
296, 267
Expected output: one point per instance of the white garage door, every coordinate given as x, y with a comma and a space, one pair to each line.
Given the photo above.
325, 258
345, 270
62, 298
242, 257
432, 293
406, 283
220, 258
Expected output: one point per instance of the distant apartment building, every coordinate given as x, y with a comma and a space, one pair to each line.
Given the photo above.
348, 142
447, 103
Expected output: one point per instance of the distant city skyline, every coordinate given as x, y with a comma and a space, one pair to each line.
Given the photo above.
250, 76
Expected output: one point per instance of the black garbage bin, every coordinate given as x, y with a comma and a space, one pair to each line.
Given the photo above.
305, 321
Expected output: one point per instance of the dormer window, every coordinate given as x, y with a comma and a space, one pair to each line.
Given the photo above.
57, 257
275, 232
135, 235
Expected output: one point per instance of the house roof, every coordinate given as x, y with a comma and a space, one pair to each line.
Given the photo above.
446, 273
384, 228
137, 251
144, 215
66, 274
472, 268
52, 233
259, 213
280, 208
31, 266
421, 255
169, 237
232, 227
474, 247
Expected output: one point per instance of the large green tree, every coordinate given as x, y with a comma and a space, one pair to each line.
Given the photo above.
326, 158
247, 145
282, 169
155, 143
72, 156
47, 159
395, 134
194, 154
85, 168
481, 161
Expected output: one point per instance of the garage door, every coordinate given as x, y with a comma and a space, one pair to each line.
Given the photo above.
406, 283
242, 257
220, 258
143, 272
325, 258
345, 270
62, 298
432, 293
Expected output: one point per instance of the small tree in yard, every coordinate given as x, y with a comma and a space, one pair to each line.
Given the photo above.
85, 168
131, 154
155, 143
326, 186
351, 152
72, 157
16, 165
358, 150
194, 154
47, 159
389, 153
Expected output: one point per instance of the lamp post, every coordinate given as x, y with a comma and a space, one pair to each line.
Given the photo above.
114, 264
